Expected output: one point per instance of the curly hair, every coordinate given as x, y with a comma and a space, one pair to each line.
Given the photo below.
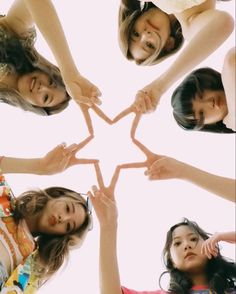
22, 60
129, 12
52, 249
194, 84
221, 273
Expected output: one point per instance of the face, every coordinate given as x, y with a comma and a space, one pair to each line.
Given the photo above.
211, 106
150, 33
61, 216
40, 90
185, 250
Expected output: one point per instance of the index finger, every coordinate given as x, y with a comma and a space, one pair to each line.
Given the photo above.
99, 176
135, 125
124, 113
87, 118
115, 178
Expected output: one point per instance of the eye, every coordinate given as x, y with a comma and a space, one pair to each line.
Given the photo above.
68, 227
135, 34
67, 208
51, 82
149, 45
176, 244
194, 239
45, 98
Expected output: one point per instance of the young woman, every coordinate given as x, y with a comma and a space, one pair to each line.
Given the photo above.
191, 269
150, 33
38, 228
27, 79
206, 101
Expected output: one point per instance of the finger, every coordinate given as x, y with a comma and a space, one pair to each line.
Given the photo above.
143, 148
99, 176
86, 161
84, 142
96, 92
95, 100
115, 178
87, 118
71, 148
135, 125
101, 114
84, 100
133, 165
148, 102
123, 113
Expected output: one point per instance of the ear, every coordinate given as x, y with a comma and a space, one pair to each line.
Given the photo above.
170, 44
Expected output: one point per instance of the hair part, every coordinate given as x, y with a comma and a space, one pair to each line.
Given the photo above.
194, 85
53, 250
221, 274
128, 15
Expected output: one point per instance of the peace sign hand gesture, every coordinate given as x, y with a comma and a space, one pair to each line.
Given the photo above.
103, 199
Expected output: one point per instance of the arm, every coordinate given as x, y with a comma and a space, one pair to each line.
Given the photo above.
57, 160
23, 14
205, 39
105, 207
229, 81
169, 168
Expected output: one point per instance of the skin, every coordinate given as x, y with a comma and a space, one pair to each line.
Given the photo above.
211, 106
186, 255
59, 217
57, 160
39, 89
22, 15
200, 25
150, 33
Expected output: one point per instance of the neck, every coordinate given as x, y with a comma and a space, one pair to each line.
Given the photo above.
198, 279
32, 223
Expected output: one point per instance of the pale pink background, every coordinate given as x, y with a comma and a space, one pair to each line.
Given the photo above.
146, 209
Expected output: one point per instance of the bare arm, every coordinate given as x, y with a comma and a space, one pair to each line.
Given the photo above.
204, 38
57, 160
169, 168
103, 201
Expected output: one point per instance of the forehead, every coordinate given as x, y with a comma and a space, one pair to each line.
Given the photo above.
182, 231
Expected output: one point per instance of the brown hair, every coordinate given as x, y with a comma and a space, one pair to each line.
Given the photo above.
128, 15
52, 249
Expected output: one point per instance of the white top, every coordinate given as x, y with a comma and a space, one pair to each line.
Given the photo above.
176, 6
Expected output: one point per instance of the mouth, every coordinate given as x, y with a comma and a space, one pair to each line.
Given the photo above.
32, 84
52, 220
190, 254
152, 25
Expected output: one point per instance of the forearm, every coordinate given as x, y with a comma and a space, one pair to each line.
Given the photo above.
205, 40
227, 237
47, 21
20, 165
221, 186
109, 271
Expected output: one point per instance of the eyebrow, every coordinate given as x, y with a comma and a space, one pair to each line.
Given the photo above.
178, 237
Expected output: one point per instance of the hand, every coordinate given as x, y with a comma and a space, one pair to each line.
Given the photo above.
210, 246
164, 168
82, 90
61, 157
103, 199
146, 100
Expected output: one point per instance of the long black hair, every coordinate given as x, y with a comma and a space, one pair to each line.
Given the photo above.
221, 273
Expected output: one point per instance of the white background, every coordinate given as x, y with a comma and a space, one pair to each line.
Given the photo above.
146, 209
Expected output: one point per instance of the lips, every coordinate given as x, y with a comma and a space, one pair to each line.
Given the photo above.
52, 220
151, 25
189, 254
32, 84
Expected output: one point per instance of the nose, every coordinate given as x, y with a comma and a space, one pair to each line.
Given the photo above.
146, 36
63, 218
187, 246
